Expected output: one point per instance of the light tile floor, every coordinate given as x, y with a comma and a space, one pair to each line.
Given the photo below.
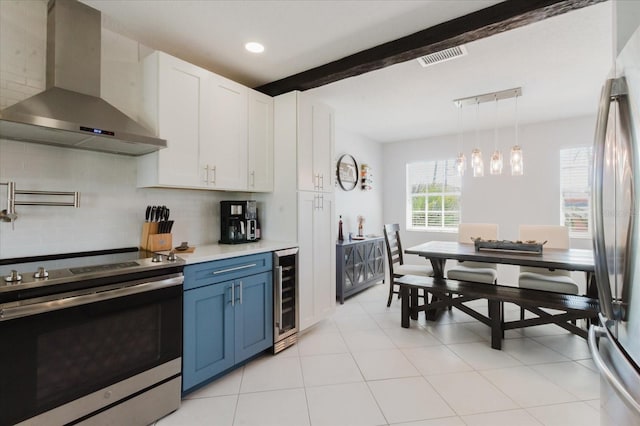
359, 367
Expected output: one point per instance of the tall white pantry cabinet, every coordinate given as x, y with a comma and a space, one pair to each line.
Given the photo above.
302, 204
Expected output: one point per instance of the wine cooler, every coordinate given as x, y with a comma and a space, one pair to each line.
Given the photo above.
285, 298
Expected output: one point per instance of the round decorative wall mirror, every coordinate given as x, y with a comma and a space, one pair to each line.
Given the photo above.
347, 172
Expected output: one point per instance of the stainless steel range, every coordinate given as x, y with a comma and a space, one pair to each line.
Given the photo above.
91, 338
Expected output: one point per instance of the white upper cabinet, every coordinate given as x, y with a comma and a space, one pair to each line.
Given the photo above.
260, 148
219, 133
223, 150
172, 106
315, 146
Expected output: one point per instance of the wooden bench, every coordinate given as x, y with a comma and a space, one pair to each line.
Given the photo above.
447, 293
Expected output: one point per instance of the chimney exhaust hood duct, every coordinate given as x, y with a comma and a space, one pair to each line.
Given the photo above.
70, 112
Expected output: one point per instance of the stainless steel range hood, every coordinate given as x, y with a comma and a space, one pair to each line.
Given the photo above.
70, 111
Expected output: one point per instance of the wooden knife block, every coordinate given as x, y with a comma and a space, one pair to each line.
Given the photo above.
153, 241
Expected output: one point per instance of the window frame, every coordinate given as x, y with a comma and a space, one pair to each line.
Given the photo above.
410, 196
579, 191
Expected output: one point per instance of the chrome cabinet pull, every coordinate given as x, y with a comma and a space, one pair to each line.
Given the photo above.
213, 173
237, 268
233, 295
206, 174
240, 292
253, 179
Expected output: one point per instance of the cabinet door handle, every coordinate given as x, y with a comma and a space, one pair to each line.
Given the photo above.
240, 292
279, 297
253, 179
206, 174
237, 268
213, 174
233, 295
321, 181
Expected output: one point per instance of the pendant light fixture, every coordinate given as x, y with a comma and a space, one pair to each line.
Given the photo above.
517, 161
461, 160
477, 164
495, 165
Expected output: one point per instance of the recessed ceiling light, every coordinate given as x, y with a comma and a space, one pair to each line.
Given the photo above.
254, 47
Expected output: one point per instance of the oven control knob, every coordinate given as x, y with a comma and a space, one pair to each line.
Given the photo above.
157, 257
41, 274
172, 256
13, 277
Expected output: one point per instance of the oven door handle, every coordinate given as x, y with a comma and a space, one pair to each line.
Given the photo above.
9, 313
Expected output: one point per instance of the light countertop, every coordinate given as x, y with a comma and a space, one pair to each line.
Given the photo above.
209, 252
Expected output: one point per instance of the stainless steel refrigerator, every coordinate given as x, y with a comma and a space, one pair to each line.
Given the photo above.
615, 341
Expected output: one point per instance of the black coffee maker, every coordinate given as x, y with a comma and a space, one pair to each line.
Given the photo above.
238, 220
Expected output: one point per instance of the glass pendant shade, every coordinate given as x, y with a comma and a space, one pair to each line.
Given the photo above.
477, 164
517, 162
461, 164
495, 166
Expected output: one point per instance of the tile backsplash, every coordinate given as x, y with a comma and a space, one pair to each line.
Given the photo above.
111, 207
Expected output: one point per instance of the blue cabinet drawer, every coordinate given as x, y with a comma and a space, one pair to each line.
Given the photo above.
216, 271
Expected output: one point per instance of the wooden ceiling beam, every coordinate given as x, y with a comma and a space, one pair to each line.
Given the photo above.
504, 16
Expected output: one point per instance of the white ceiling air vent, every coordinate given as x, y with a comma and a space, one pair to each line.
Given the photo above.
442, 56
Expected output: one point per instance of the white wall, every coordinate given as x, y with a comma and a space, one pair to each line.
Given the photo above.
354, 203
506, 200
112, 209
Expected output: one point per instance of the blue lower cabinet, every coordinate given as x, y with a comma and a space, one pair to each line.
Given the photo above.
253, 317
225, 323
208, 339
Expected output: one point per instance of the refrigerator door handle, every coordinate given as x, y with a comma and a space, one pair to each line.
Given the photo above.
599, 248
594, 333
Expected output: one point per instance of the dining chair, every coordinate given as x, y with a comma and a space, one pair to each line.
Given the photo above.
558, 281
397, 267
475, 271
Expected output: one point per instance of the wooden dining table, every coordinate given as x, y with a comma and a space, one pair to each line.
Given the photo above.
438, 252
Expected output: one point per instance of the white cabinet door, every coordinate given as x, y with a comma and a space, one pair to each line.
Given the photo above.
315, 145
324, 257
224, 144
322, 141
260, 143
316, 257
172, 106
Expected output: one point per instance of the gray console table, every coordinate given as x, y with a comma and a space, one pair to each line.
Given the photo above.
359, 264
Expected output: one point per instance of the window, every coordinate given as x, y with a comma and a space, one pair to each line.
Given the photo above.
433, 195
575, 190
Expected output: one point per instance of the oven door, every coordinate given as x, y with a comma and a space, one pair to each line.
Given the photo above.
57, 349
